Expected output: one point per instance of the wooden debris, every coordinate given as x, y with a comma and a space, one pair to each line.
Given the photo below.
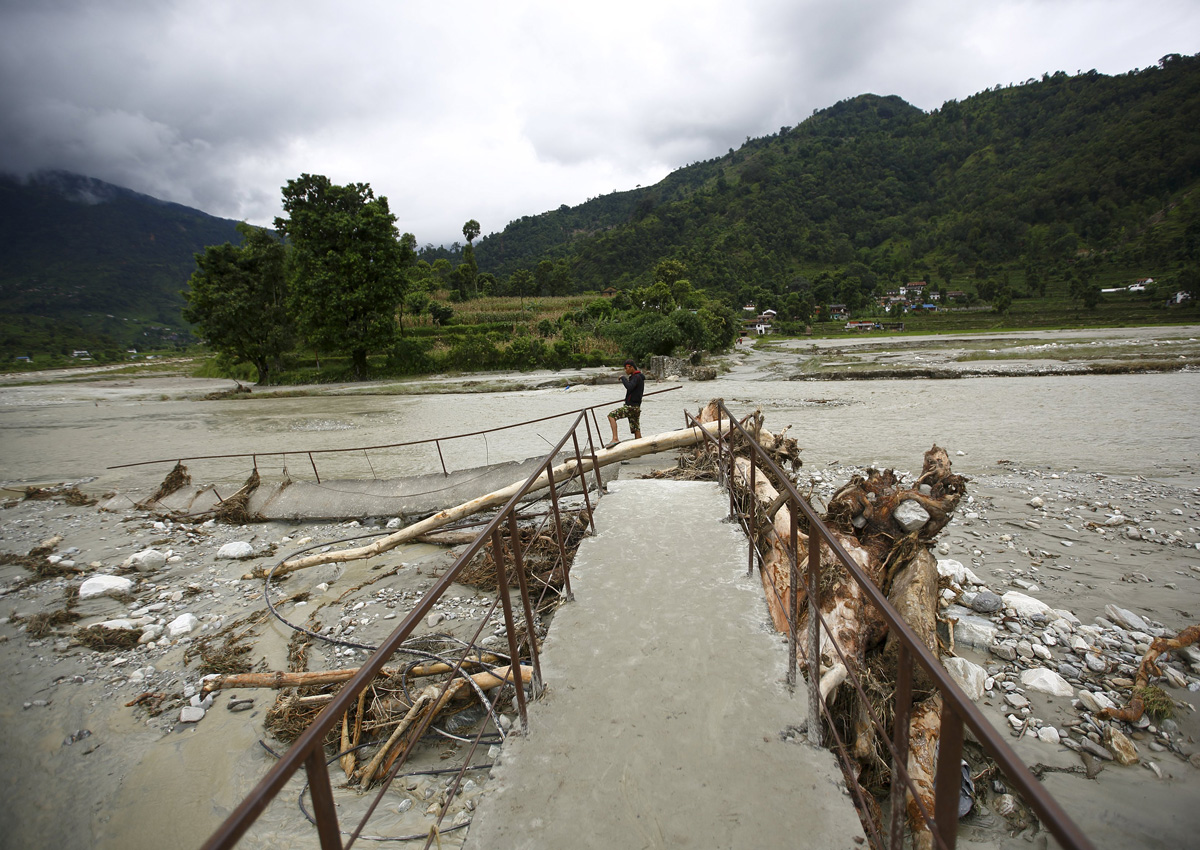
562, 473
1143, 691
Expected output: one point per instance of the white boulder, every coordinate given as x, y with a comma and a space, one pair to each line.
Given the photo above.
1047, 682
967, 675
182, 625
105, 586
1027, 606
146, 561
236, 551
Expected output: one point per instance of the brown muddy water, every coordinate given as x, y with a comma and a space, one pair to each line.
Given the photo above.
1086, 442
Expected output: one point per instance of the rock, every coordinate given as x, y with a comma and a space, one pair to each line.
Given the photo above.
910, 515
1126, 618
1016, 701
146, 561
1069, 671
1027, 606
1041, 652
975, 632
1095, 663
1049, 734
434, 618
1123, 749
1036, 502
105, 586
986, 602
191, 714
1177, 679
1007, 651
1088, 745
1024, 649
244, 704
953, 570
1046, 681
967, 675
1094, 702
236, 551
151, 632
182, 625
395, 522
117, 624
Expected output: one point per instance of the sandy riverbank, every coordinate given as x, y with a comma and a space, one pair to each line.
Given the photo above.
1087, 447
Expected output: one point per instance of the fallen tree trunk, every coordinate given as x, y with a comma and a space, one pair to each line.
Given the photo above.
622, 451
315, 678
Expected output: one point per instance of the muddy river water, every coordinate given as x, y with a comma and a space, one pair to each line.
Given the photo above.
1108, 428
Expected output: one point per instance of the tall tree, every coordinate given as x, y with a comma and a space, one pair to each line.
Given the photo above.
347, 266
237, 298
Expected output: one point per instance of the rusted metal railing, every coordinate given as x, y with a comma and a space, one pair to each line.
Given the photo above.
957, 709
308, 752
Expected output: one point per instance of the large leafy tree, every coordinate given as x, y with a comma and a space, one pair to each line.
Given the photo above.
347, 269
237, 298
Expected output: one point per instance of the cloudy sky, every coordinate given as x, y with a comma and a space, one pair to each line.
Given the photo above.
487, 110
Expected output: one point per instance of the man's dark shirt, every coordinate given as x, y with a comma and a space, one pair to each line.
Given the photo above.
634, 385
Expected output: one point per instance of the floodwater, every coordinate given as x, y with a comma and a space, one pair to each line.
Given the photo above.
1114, 425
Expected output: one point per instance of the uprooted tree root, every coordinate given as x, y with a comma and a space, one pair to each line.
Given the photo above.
1144, 696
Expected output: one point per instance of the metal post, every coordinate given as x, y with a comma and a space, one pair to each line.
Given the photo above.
314, 466
509, 625
752, 513
519, 566
793, 608
947, 782
562, 548
438, 444
322, 799
583, 480
595, 465
816, 734
900, 741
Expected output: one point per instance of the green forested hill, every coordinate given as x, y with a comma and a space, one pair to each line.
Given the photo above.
85, 264
1028, 177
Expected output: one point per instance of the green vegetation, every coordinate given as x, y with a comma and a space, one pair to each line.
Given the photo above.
85, 265
1052, 187
1016, 206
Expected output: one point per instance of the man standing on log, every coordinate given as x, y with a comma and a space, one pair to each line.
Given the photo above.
634, 382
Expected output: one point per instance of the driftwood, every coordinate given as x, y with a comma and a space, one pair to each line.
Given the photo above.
563, 472
924, 729
315, 678
1149, 667
431, 701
